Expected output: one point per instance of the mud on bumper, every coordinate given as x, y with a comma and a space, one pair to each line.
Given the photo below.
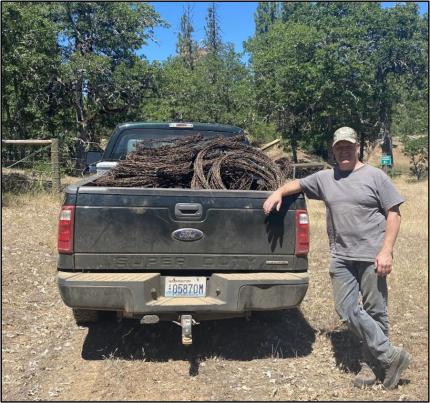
143, 293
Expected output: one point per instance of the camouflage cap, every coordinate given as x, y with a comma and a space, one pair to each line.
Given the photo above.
345, 134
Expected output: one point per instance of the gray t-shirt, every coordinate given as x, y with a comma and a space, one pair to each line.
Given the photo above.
356, 204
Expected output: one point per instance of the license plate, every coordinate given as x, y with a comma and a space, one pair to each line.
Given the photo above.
185, 287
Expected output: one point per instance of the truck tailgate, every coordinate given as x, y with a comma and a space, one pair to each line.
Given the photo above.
135, 229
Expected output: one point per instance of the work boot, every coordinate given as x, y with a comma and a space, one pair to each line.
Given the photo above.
365, 377
392, 372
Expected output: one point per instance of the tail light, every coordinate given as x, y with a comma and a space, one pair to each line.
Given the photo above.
302, 232
65, 229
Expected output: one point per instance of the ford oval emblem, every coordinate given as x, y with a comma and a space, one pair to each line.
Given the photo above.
187, 234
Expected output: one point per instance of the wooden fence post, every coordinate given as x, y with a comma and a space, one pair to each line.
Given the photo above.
55, 163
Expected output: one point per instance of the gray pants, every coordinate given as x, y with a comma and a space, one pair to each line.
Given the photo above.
368, 320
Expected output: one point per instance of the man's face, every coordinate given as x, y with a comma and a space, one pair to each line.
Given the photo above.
346, 155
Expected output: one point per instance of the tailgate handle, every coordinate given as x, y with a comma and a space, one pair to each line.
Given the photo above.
194, 210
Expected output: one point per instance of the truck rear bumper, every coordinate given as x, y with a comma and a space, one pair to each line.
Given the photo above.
143, 293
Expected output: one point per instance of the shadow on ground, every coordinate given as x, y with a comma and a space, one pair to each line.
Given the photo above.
347, 350
279, 334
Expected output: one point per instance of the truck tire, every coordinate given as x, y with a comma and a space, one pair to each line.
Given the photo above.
85, 316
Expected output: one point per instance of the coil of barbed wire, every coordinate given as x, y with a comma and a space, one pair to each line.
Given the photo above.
197, 163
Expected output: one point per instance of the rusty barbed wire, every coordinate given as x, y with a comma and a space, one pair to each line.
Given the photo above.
286, 166
197, 163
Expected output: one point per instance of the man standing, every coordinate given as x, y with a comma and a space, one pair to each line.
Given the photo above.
363, 220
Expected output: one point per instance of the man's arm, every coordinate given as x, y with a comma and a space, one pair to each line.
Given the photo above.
384, 259
275, 199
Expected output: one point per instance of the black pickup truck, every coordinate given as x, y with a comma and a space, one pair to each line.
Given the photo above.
177, 254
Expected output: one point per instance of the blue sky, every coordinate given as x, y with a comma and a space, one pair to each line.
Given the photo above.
236, 22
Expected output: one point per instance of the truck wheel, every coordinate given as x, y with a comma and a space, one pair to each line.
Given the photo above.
85, 316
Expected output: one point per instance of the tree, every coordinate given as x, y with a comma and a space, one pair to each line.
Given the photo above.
410, 117
359, 52
293, 11
216, 89
175, 93
347, 73
416, 148
99, 41
210, 66
401, 37
224, 91
265, 16
186, 46
286, 77
30, 67
212, 41
190, 95
410, 122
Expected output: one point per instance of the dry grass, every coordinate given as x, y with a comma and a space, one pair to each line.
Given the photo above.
279, 356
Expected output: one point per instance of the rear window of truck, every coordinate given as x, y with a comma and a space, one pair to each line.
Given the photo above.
128, 139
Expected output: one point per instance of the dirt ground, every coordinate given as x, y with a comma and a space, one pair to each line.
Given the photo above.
303, 354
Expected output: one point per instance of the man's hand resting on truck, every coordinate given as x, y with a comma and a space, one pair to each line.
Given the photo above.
273, 201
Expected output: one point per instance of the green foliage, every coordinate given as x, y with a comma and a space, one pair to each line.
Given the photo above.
111, 29
30, 65
416, 148
104, 81
213, 37
223, 88
265, 16
216, 87
186, 47
294, 11
332, 64
191, 95
286, 77
410, 114
70, 70
260, 132
410, 117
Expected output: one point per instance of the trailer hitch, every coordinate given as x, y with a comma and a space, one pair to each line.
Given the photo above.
186, 323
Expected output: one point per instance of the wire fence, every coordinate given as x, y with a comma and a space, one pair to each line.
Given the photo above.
28, 167
31, 167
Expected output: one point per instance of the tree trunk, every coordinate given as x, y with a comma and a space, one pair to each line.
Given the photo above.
384, 118
80, 154
294, 144
330, 156
362, 145
82, 127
